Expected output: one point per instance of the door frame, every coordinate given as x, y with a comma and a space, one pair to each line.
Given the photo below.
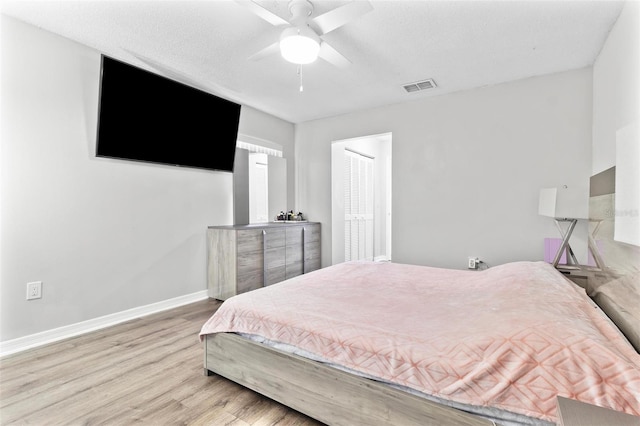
377, 146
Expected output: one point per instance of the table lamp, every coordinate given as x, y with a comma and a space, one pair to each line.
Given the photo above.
564, 204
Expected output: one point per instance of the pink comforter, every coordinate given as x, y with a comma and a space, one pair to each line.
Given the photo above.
511, 337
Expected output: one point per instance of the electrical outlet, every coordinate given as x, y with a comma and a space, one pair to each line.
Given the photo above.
34, 290
473, 263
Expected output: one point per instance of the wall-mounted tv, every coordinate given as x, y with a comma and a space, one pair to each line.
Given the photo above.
146, 117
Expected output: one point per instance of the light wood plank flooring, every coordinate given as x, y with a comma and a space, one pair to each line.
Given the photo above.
145, 371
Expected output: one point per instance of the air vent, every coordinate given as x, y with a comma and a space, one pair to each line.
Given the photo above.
420, 85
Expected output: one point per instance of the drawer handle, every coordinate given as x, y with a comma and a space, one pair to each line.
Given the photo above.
304, 233
264, 258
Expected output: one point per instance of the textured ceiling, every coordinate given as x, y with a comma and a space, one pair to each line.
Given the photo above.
460, 44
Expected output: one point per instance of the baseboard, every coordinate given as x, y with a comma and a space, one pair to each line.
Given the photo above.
38, 339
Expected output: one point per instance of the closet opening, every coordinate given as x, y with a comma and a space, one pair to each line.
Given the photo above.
361, 198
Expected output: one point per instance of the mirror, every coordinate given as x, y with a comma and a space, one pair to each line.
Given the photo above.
259, 187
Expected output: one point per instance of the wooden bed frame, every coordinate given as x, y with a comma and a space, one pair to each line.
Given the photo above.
336, 397
327, 394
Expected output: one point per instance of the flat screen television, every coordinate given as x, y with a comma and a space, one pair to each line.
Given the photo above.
146, 117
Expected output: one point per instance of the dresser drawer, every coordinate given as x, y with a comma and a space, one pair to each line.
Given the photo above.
274, 257
275, 275
293, 254
311, 252
249, 281
312, 233
294, 236
249, 241
311, 265
250, 262
274, 238
294, 269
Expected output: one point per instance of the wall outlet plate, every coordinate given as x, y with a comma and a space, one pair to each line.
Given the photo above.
473, 263
34, 290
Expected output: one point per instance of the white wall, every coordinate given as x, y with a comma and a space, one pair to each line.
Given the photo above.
616, 86
467, 167
616, 111
103, 235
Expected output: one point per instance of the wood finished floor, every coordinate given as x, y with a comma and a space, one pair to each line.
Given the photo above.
144, 371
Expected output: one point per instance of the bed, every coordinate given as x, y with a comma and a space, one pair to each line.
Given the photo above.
385, 343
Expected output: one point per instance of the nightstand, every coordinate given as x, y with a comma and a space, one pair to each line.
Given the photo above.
577, 275
576, 413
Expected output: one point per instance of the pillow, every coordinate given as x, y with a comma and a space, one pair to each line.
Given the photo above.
620, 300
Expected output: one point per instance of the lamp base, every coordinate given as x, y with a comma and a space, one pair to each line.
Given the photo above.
564, 246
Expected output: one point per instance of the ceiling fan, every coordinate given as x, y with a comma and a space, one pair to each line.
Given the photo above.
301, 39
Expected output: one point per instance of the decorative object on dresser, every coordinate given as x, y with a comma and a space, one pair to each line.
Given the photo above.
247, 257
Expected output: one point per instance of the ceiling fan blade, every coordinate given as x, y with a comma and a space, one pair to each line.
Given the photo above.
338, 17
263, 13
267, 51
332, 56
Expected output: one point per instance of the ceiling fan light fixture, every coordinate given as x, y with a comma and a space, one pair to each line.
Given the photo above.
299, 45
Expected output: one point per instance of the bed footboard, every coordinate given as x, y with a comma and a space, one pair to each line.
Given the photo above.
319, 391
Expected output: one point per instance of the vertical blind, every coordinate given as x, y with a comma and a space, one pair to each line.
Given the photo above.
358, 206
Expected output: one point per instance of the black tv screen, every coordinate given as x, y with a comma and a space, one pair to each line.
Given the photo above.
145, 117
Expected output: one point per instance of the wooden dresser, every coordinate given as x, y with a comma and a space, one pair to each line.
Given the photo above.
246, 257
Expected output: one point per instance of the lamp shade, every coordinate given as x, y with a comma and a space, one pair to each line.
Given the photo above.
564, 202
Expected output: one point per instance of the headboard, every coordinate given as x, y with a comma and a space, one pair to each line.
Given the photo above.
615, 284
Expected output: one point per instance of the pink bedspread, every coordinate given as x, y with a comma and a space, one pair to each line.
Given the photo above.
511, 337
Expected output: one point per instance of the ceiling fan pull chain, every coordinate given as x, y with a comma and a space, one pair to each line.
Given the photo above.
300, 74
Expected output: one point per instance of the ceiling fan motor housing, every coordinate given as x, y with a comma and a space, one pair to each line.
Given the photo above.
299, 43
300, 10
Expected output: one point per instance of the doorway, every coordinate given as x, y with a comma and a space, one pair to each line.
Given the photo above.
361, 198
358, 206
